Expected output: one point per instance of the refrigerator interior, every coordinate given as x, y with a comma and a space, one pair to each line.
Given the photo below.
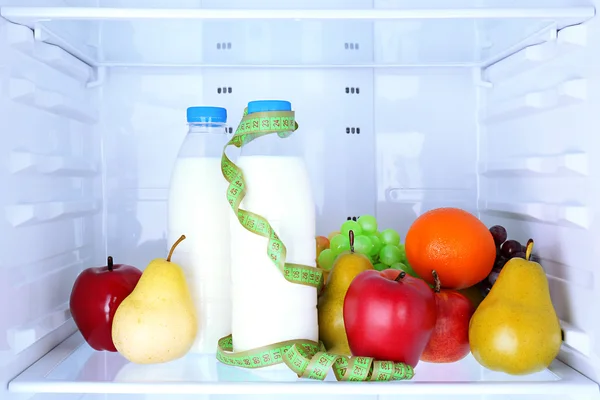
398, 116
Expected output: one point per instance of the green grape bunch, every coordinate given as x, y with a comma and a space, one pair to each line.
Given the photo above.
383, 248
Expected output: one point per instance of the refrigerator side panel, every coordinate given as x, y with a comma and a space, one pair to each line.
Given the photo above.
50, 196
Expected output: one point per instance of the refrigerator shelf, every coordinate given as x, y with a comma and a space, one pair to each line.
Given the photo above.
387, 37
74, 367
564, 16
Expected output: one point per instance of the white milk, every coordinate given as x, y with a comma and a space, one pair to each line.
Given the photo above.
198, 209
266, 307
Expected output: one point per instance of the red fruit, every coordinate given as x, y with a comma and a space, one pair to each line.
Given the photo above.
389, 316
96, 295
449, 341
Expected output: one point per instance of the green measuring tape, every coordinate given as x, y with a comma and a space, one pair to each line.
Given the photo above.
252, 127
306, 358
309, 360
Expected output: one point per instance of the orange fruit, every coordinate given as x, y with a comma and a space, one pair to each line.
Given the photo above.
454, 243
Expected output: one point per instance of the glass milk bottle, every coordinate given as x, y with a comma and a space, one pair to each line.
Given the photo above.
266, 308
199, 210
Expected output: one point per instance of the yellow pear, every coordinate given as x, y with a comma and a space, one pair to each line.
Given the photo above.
157, 322
515, 328
332, 331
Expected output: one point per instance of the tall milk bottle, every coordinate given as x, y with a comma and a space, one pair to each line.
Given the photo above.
266, 307
198, 209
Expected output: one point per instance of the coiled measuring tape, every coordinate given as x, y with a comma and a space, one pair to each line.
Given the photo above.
308, 359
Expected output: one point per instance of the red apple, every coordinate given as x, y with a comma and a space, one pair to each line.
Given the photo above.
449, 341
389, 316
322, 244
96, 295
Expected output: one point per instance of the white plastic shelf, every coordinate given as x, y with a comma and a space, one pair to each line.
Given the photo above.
35, 213
74, 367
30, 15
566, 164
570, 215
372, 37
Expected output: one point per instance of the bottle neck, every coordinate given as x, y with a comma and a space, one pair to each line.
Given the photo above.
206, 127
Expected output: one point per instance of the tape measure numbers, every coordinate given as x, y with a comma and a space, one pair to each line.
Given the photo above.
306, 358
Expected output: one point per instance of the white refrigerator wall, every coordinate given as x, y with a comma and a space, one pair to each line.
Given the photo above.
84, 170
363, 156
539, 164
51, 196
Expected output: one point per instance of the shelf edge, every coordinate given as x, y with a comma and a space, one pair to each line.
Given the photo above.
104, 13
33, 380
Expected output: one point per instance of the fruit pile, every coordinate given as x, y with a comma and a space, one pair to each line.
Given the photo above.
383, 248
377, 291
362, 311
149, 316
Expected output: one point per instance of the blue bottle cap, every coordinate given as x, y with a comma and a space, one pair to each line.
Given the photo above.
268, 105
206, 114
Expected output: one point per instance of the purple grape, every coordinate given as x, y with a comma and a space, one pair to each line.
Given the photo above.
511, 247
519, 254
484, 287
499, 263
493, 276
499, 234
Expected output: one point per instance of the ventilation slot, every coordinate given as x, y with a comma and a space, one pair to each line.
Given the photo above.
224, 46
